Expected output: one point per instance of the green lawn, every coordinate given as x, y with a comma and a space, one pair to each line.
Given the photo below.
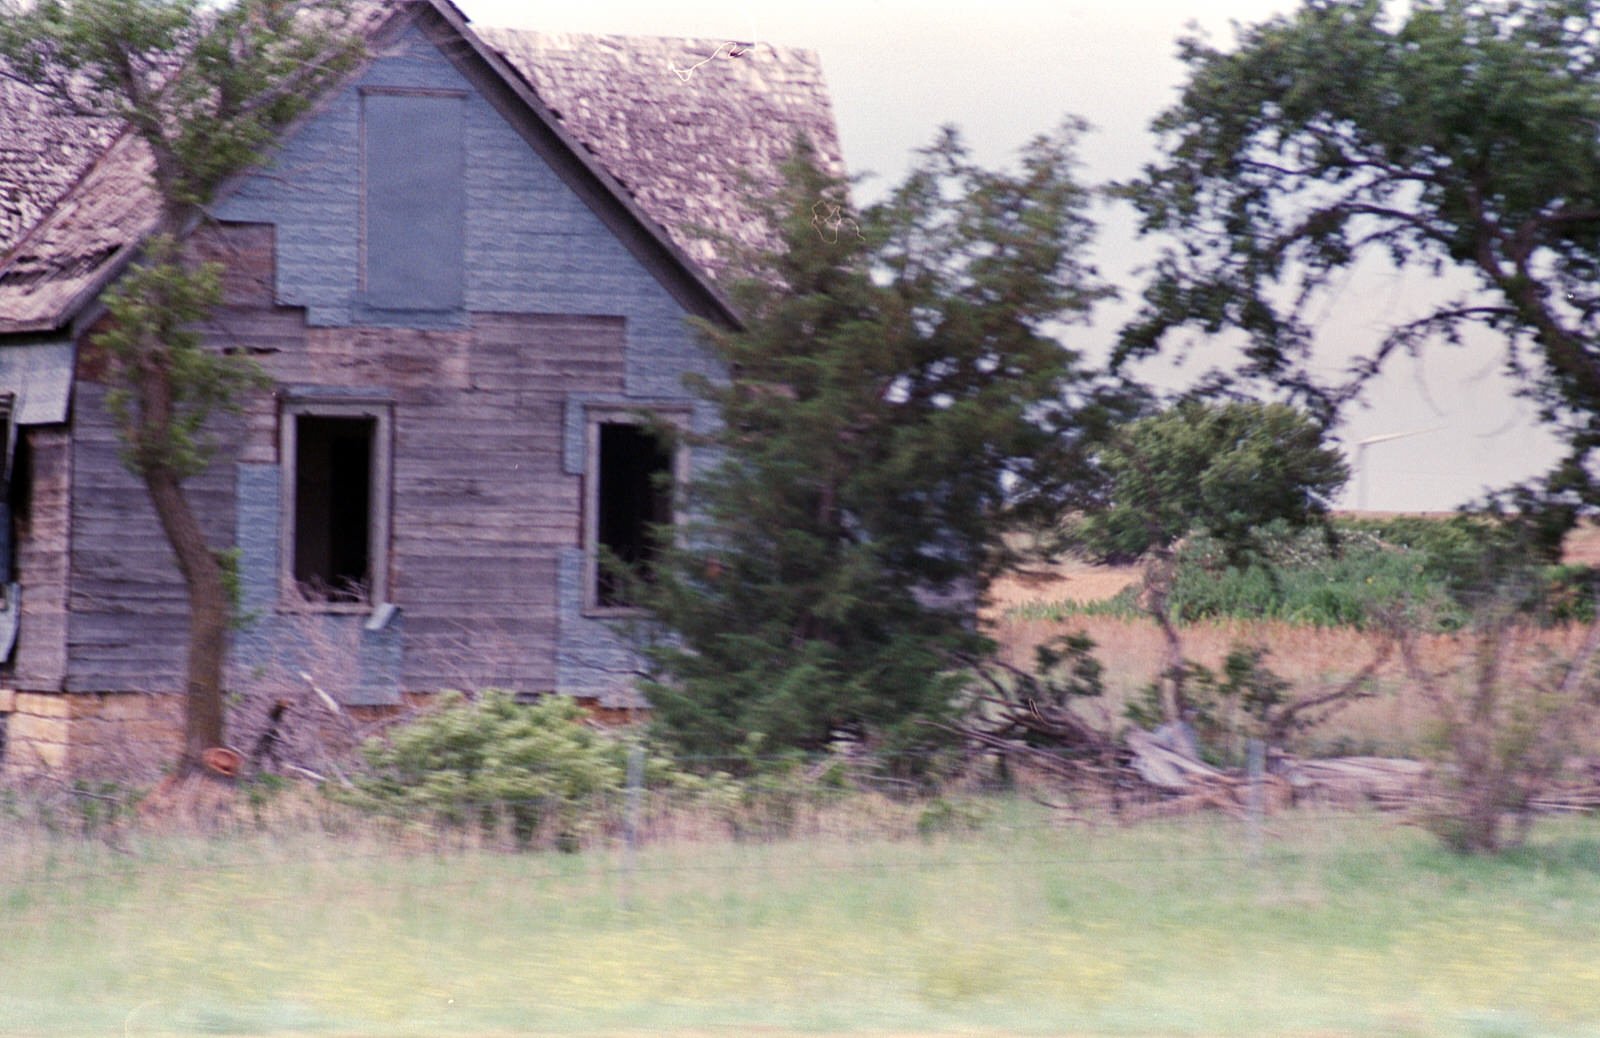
1346, 926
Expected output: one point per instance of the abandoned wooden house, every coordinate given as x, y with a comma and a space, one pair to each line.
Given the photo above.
468, 272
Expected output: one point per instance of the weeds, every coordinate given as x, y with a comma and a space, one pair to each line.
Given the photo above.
1000, 922
1370, 569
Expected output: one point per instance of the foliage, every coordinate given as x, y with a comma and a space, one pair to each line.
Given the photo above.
897, 403
1230, 470
1013, 703
1245, 700
1509, 717
1227, 471
1431, 569
1450, 135
153, 339
491, 761
205, 85
774, 792
205, 88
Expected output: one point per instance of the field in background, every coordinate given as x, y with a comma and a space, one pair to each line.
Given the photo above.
1392, 723
1343, 926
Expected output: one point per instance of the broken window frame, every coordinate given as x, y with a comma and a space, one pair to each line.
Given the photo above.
673, 416
380, 410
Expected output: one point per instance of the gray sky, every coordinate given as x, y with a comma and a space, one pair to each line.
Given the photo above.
1007, 69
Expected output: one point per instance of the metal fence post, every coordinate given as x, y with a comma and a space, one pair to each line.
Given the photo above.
630, 823
1258, 795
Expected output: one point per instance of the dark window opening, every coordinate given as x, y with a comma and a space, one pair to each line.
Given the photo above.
633, 499
333, 507
18, 505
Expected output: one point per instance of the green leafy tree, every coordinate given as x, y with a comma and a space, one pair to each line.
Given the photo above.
205, 88
897, 403
1451, 135
1233, 471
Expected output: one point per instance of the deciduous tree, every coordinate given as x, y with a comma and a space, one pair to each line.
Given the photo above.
1450, 135
205, 87
1229, 470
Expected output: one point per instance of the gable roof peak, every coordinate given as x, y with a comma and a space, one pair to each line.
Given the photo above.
679, 126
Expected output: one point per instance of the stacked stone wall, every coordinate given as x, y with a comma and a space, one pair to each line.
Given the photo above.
113, 735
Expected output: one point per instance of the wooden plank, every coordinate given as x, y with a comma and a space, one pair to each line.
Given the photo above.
42, 562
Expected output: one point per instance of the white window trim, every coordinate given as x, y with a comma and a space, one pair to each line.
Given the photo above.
678, 415
381, 410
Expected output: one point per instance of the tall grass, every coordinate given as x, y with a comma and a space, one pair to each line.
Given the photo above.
1346, 926
1396, 721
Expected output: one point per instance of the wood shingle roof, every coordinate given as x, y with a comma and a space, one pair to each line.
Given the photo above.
680, 125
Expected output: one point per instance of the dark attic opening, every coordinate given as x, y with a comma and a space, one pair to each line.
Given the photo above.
333, 507
634, 498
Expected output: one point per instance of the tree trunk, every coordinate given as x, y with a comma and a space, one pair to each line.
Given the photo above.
1160, 573
208, 615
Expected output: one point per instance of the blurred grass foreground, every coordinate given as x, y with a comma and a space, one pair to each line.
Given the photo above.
1339, 925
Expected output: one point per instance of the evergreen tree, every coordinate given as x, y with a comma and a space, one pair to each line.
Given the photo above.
897, 404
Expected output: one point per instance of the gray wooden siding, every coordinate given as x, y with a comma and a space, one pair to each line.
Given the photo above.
40, 663
128, 612
482, 507
487, 417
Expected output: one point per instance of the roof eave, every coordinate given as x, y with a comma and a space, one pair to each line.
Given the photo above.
717, 304
712, 302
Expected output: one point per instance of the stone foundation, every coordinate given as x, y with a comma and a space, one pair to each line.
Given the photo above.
89, 734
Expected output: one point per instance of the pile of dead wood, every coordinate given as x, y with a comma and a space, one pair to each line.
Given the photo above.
1165, 767
1161, 772
1041, 726
1167, 762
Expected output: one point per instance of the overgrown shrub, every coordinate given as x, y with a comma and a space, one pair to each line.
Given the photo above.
1245, 700
1509, 718
541, 769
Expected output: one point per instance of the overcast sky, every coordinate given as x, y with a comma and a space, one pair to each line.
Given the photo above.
1005, 70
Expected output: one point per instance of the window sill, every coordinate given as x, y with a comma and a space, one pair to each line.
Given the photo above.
599, 612
343, 608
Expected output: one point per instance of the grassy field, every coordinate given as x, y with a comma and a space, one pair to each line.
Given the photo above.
1026, 609
1343, 926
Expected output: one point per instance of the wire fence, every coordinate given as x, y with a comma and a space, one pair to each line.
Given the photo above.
683, 816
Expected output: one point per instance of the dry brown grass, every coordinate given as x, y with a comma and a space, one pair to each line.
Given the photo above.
1394, 722
1055, 582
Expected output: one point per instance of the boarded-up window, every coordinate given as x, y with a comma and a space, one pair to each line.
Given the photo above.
413, 200
336, 488
632, 469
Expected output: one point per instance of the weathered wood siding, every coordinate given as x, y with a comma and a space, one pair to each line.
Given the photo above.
40, 663
127, 608
488, 409
481, 507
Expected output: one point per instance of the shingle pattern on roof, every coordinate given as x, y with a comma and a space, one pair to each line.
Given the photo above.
680, 133
42, 154
63, 256
682, 123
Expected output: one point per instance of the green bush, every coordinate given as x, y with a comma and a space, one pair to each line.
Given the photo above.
1371, 568
490, 762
